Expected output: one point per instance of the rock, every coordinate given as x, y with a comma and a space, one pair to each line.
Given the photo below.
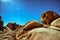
56, 23
40, 34
48, 17
1, 24
19, 32
13, 26
54, 27
31, 25
7, 35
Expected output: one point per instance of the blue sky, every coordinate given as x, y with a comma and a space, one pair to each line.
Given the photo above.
22, 11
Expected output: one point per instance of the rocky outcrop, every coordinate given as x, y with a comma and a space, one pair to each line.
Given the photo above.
1, 24
31, 25
40, 34
7, 34
48, 17
37, 33
48, 30
13, 26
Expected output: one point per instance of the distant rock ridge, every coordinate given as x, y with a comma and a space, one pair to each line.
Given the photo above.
13, 26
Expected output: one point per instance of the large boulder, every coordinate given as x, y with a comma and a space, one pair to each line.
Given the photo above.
40, 34
56, 23
31, 25
48, 17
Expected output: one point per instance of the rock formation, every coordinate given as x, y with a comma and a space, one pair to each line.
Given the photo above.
27, 27
31, 25
56, 23
13, 26
48, 17
49, 30
33, 31
7, 34
40, 34
1, 24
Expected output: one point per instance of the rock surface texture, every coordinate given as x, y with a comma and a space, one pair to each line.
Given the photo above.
40, 34
56, 23
7, 35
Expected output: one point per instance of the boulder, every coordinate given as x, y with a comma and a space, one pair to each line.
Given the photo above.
31, 25
56, 23
48, 17
40, 34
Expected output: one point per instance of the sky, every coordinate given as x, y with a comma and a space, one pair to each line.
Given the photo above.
22, 11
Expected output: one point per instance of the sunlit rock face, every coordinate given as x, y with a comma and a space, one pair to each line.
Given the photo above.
56, 23
40, 34
31, 25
